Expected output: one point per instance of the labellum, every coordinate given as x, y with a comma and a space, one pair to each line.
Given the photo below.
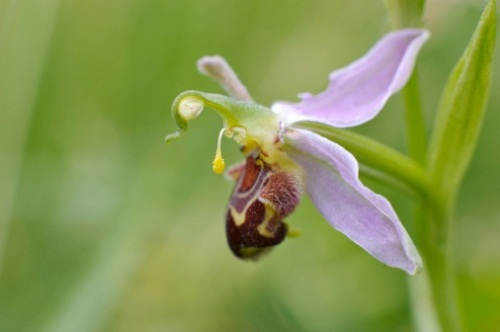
264, 195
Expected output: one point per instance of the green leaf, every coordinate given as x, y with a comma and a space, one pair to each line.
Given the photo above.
462, 109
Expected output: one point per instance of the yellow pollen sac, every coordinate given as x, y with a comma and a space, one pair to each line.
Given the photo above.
218, 164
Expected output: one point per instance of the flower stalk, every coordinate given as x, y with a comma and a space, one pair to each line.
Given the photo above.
414, 120
405, 13
452, 143
379, 157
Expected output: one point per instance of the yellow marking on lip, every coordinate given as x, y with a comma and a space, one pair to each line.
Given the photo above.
262, 228
238, 217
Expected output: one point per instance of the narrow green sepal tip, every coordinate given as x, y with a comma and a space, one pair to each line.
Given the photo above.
192, 108
172, 137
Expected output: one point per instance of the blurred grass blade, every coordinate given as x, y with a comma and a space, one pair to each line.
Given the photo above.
462, 108
90, 304
25, 40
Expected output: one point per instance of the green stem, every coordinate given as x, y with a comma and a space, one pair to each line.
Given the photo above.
405, 13
432, 233
435, 247
423, 308
433, 295
436, 288
377, 156
415, 122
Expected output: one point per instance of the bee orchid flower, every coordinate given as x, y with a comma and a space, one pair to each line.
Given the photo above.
283, 160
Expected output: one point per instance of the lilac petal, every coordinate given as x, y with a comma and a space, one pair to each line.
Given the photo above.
368, 219
359, 91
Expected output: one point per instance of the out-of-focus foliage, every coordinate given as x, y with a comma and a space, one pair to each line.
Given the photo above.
105, 228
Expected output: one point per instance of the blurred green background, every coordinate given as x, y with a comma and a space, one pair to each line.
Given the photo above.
105, 228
